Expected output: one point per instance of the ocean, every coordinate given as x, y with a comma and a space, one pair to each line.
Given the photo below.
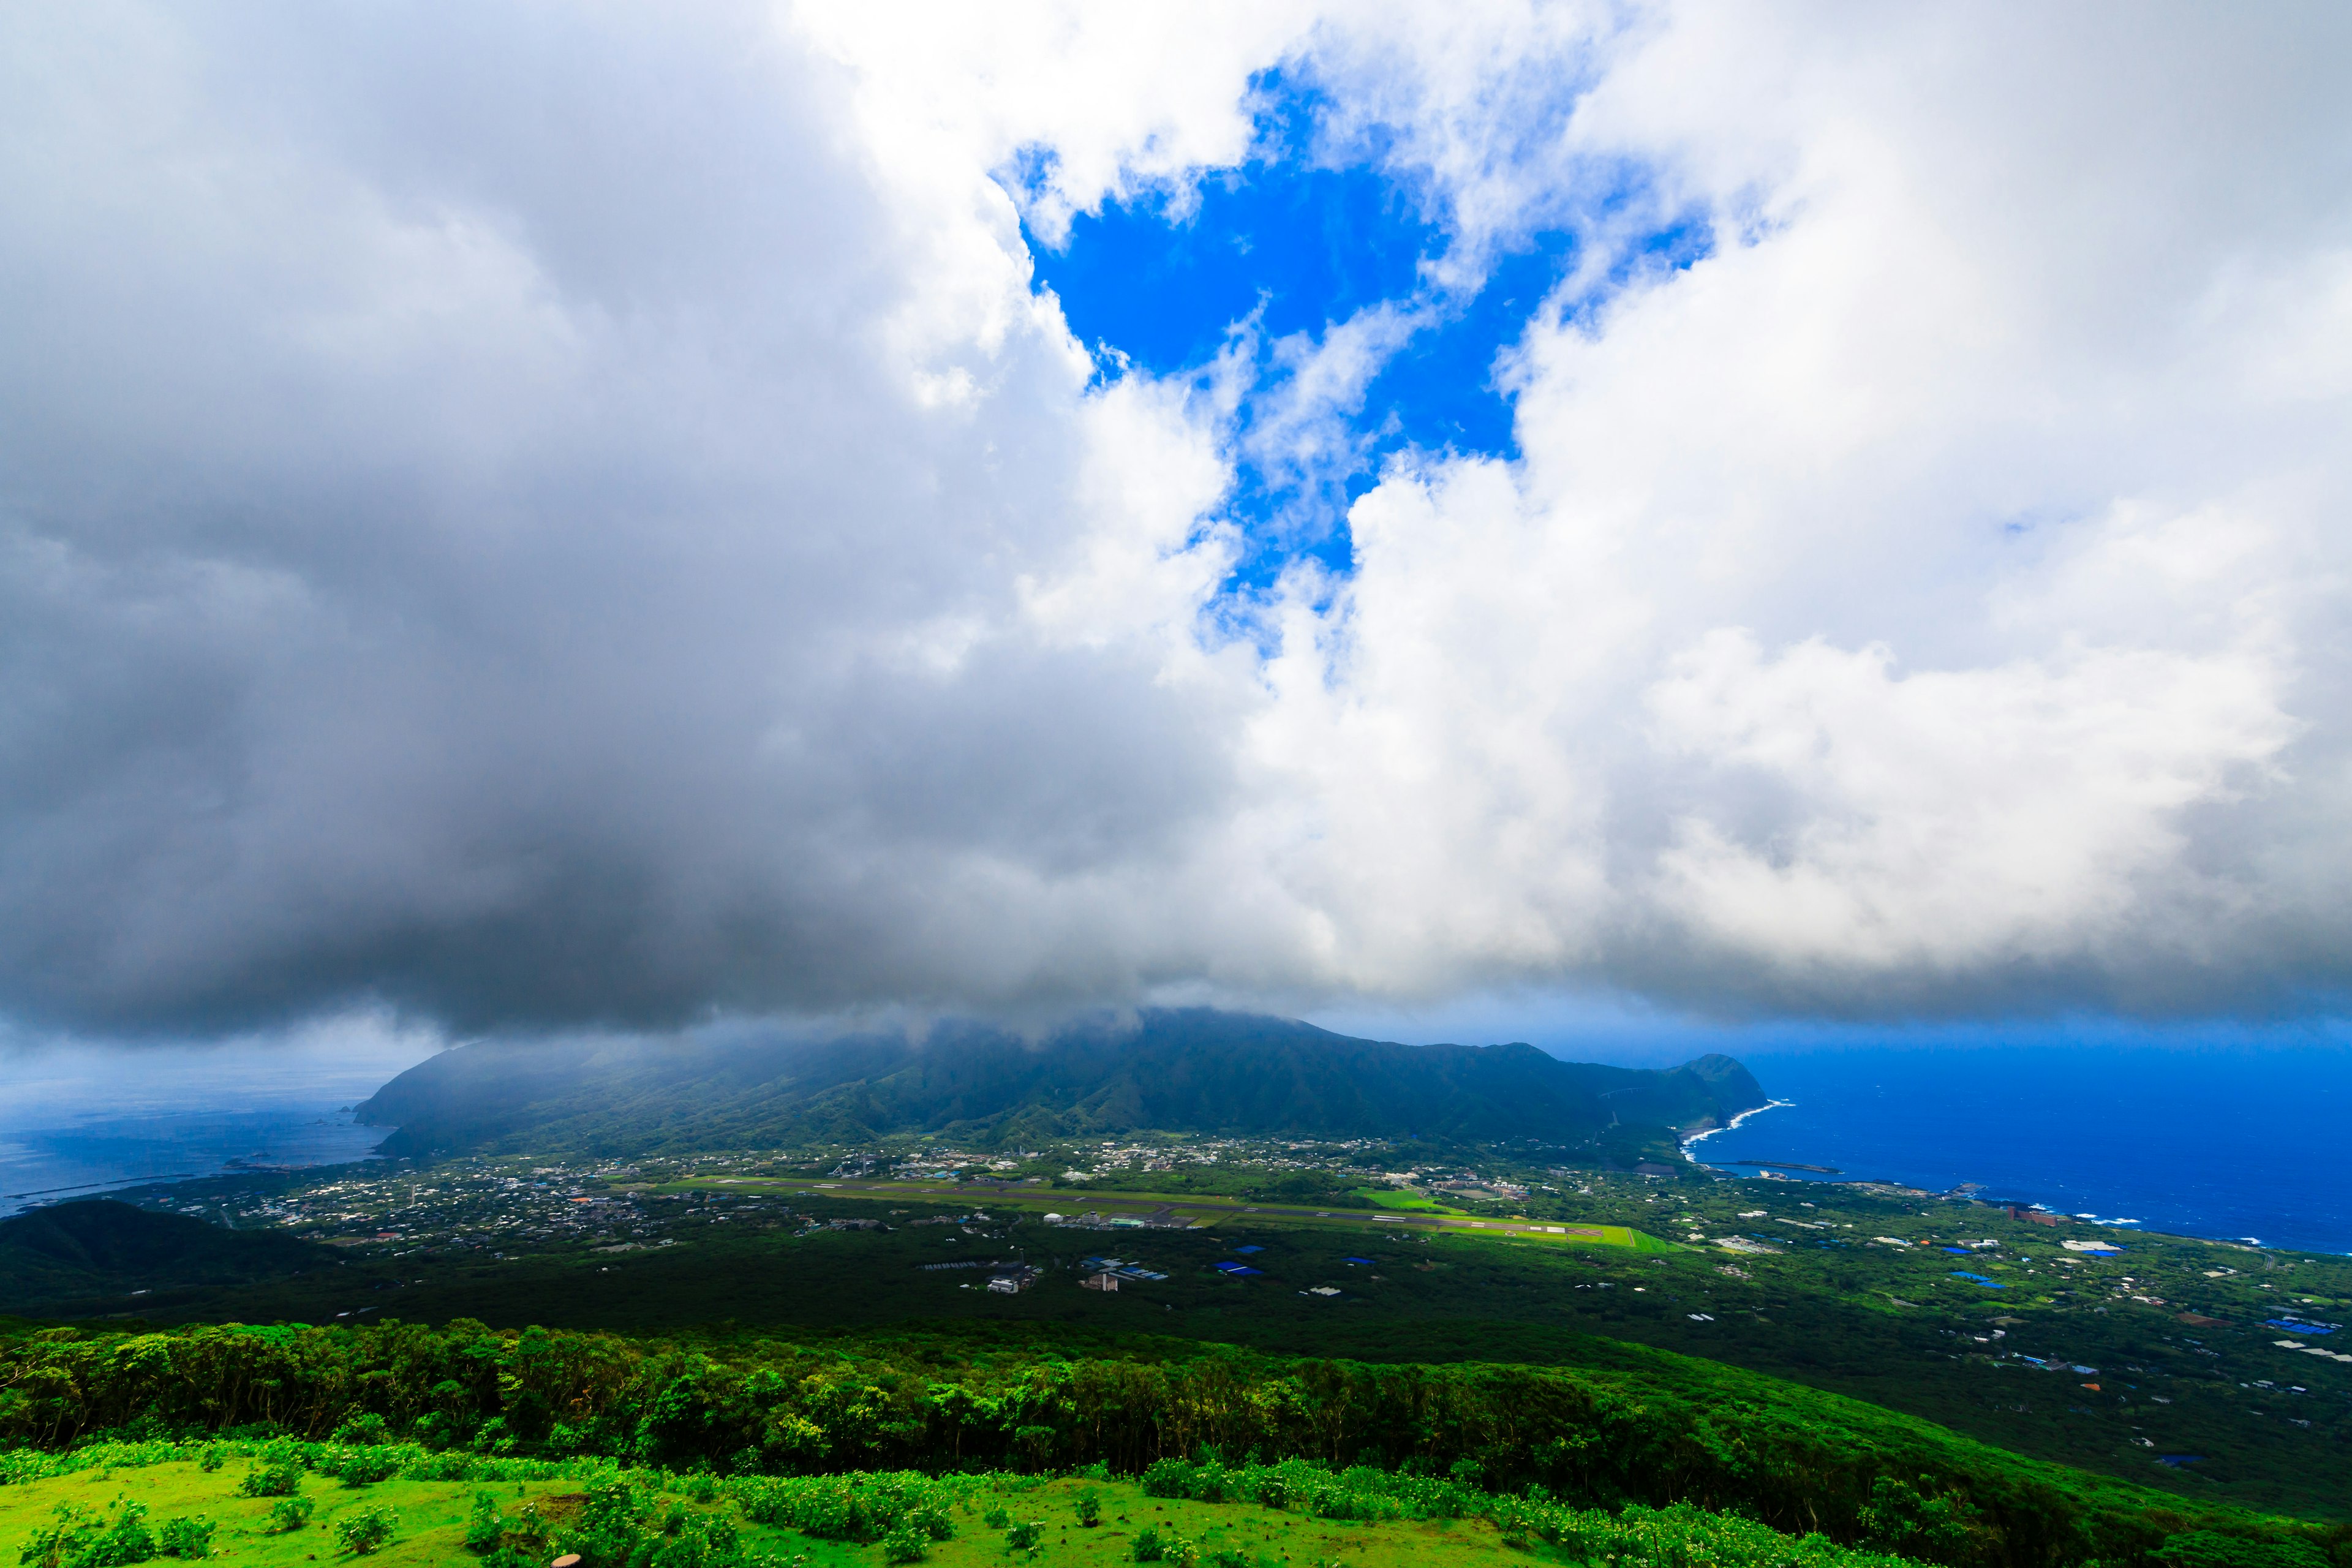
2234, 1144
91, 1157
82, 1123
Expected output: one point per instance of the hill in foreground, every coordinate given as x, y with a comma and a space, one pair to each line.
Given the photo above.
1190, 1069
98, 1247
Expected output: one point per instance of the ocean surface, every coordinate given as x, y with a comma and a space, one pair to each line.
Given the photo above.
2234, 1144
90, 1158
80, 1123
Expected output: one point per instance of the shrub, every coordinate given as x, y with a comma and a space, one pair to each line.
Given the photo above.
62, 1540
1025, 1536
186, 1537
290, 1514
363, 1529
123, 1539
1152, 1546
1167, 1478
697, 1541
483, 1525
365, 1467
1088, 1508
271, 1478
611, 1524
525, 1534
905, 1544
834, 1507
364, 1430
618, 1527
1917, 1523
77, 1538
453, 1466
2211, 1548
996, 1518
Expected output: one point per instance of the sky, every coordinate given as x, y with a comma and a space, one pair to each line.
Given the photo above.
1678, 519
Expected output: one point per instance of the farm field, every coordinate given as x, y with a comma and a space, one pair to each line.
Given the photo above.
1200, 1213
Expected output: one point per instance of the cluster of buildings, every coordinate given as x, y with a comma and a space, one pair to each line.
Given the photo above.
1013, 1279
1104, 1273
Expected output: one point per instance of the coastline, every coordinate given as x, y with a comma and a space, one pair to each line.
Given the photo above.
95, 1156
2108, 1133
1695, 1138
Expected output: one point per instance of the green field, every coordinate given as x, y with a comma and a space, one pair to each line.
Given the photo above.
1295, 1515
431, 1531
1202, 1213
1406, 1201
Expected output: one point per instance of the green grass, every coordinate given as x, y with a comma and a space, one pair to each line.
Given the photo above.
1410, 1202
1299, 1530
432, 1515
1205, 1210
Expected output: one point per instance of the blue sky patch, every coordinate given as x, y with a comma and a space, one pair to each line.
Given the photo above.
1263, 260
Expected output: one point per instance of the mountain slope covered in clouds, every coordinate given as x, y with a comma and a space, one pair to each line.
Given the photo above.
1179, 1070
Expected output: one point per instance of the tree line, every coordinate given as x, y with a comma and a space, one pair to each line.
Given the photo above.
1795, 1459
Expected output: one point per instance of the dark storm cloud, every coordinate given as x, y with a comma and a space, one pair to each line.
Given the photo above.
459, 539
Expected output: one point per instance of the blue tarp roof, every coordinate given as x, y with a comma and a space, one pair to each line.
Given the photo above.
1978, 1278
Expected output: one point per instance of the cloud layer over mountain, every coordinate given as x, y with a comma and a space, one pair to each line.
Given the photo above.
547, 517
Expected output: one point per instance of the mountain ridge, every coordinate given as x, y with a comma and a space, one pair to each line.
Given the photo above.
1177, 1069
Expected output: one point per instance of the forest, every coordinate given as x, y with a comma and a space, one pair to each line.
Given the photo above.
1796, 1460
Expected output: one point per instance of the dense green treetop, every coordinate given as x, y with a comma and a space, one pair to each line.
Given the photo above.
92, 1245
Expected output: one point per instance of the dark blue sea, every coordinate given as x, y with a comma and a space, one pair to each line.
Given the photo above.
77, 1125
90, 1158
2213, 1142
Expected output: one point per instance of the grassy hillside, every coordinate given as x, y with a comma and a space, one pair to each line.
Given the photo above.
1187, 1070
437, 1511
1674, 1432
1841, 1289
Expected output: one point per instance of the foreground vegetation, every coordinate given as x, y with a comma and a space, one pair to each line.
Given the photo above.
750, 1412
2159, 1364
120, 1504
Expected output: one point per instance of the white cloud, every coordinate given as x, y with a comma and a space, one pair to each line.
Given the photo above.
1910, 604
1949, 818
548, 518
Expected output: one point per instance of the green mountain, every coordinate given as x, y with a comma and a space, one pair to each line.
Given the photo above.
1190, 1069
96, 1246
